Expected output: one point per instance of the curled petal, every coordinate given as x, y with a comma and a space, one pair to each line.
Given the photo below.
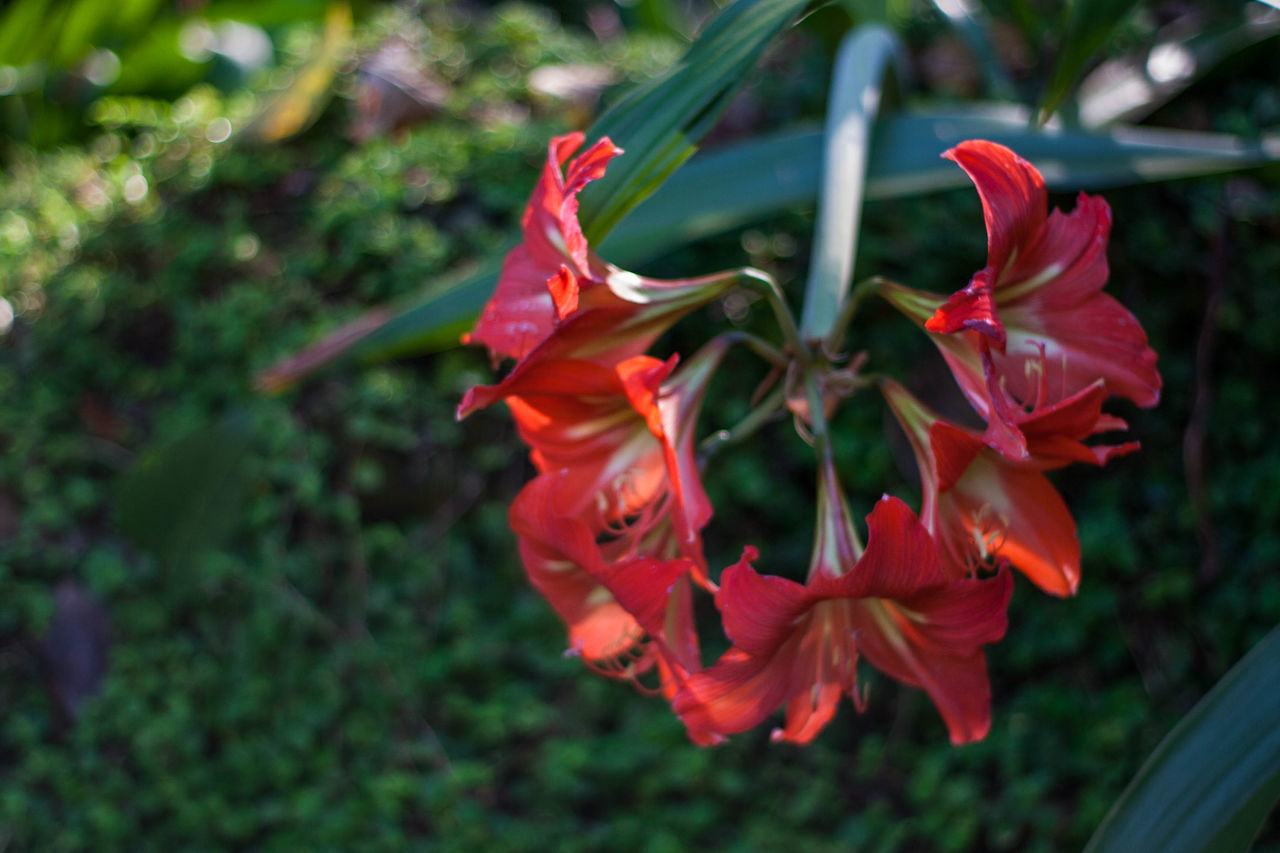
758, 609
1013, 196
973, 308
522, 312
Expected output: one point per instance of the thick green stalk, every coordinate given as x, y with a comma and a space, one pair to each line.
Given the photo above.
852, 107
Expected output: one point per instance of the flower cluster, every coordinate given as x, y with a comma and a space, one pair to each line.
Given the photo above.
609, 530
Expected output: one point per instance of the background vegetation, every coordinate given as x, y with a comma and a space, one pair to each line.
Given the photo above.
229, 619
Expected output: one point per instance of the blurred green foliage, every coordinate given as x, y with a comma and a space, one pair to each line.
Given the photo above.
361, 662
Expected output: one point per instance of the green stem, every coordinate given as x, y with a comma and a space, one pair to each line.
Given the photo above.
763, 284
762, 414
861, 292
854, 100
760, 347
817, 414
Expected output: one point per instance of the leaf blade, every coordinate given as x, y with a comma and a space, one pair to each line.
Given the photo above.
659, 123
1087, 25
1213, 780
736, 185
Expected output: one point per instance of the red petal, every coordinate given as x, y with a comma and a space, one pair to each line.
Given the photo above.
808, 712
736, 693
972, 308
520, 314
1022, 516
954, 450
643, 588
900, 559
1067, 262
759, 610
1013, 196
584, 169
1097, 339
961, 616
774, 657
560, 559
563, 287
957, 685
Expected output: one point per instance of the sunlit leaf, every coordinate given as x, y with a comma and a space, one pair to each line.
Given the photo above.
1130, 88
1086, 27
660, 123
300, 104
746, 182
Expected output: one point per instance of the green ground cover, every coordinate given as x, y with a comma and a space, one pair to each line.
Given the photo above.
342, 651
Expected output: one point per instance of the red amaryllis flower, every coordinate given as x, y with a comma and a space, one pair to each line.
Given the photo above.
1033, 326
624, 436
799, 645
557, 297
983, 508
624, 612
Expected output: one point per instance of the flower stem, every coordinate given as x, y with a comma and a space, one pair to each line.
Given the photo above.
852, 107
864, 289
760, 347
762, 414
763, 284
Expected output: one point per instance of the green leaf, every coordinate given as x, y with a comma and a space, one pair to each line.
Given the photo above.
184, 498
660, 123
851, 111
734, 186
969, 23
1213, 780
743, 183
1131, 88
1087, 26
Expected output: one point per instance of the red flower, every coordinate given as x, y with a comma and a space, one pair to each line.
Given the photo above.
623, 612
982, 507
522, 312
894, 604
557, 297
623, 436
1033, 328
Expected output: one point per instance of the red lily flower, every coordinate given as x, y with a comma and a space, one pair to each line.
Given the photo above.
624, 613
557, 297
624, 436
893, 603
983, 508
1033, 328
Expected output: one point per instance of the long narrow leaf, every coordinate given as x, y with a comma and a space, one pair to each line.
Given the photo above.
729, 188
1131, 88
660, 123
1087, 26
744, 183
1213, 780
